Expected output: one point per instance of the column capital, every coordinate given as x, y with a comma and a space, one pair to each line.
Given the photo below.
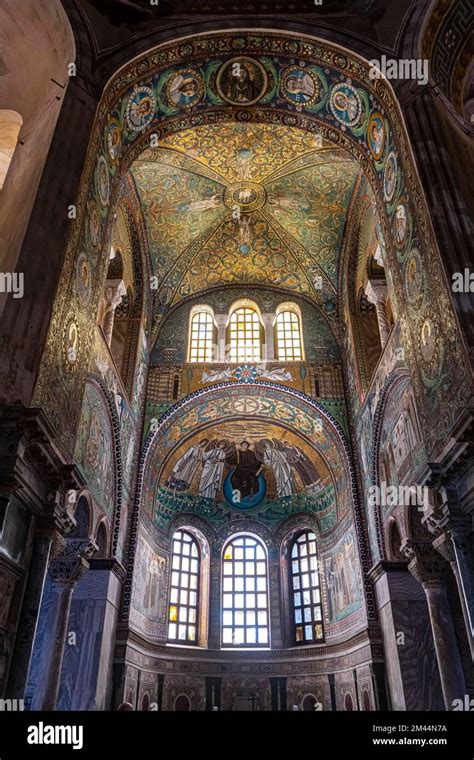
66, 571
114, 292
70, 564
425, 563
443, 544
376, 291
221, 319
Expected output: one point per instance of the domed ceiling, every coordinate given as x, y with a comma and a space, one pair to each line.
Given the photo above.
245, 203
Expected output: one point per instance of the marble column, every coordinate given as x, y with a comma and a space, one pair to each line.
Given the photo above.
376, 292
431, 570
452, 529
413, 681
29, 612
64, 575
268, 320
274, 597
215, 604
456, 550
220, 354
114, 293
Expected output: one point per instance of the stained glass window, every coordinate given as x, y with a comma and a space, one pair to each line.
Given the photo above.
288, 337
305, 590
184, 607
244, 336
203, 333
245, 621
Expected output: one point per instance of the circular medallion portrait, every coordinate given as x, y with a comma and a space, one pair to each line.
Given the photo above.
102, 181
83, 278
114, 138
414, 278
430, 348
241, 81
390, 177
401, 225
376, 135
93, 226
71, 344
300, 86
184, 88
345, 104
140, 109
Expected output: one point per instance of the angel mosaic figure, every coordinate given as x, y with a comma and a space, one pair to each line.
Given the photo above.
213, 468
185, 468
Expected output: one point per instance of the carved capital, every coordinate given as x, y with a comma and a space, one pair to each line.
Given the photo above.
425, 563
80, 547
114, 293
376, 291
434, 518
67, 570
443, 545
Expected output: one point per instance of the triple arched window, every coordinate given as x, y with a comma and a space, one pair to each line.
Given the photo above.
244, 597
247, 335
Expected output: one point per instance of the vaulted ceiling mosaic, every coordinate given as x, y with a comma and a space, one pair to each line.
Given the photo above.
245, 203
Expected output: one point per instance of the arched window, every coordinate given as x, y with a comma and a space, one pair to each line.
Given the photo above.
395, 553
184, 594
182, 703
82, 518
101, 541
245, 620
288, 338
203, 335
244, 335
305, 590
10, 125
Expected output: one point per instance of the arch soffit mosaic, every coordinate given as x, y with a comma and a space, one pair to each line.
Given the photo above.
350, 111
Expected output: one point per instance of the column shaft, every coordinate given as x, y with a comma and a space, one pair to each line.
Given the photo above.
449, 662
29, 616
382, 319
61, 595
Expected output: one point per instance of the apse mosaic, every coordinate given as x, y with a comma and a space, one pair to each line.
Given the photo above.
258, 452
250, 467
